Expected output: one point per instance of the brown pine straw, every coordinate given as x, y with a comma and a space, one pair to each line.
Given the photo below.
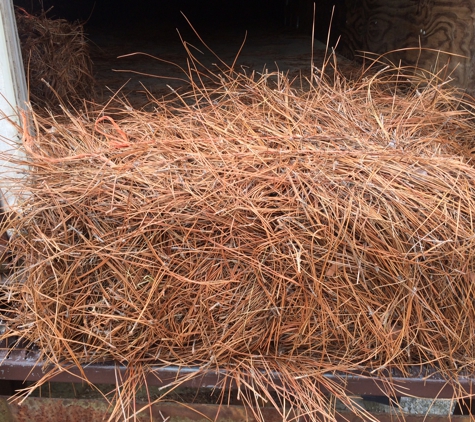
56, 59
249, 226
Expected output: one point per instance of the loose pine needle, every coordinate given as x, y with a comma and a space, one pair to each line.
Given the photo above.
250, 226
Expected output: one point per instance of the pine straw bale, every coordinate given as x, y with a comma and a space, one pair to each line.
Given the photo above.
56, 58
254, 228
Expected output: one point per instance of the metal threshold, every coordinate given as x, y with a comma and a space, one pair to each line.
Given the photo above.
24, 365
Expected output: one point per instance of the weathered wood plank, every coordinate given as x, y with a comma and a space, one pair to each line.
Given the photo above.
381, 26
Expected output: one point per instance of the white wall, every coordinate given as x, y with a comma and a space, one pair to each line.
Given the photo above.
13, 95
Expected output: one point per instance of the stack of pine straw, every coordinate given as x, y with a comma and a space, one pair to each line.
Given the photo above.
56, 59
253, 227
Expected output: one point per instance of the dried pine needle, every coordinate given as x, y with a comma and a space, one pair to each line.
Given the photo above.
250, 226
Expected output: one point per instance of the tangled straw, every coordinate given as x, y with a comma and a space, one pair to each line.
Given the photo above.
253, 227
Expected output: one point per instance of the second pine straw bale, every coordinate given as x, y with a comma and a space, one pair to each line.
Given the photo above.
56, 59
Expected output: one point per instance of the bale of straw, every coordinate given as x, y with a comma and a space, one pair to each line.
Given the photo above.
255, 228
56, 59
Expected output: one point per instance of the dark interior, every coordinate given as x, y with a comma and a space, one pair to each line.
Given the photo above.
277, 34
206, 15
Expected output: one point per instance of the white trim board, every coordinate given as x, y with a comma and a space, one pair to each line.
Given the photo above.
13, 95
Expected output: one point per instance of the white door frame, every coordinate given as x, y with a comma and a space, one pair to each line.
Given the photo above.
13, 97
